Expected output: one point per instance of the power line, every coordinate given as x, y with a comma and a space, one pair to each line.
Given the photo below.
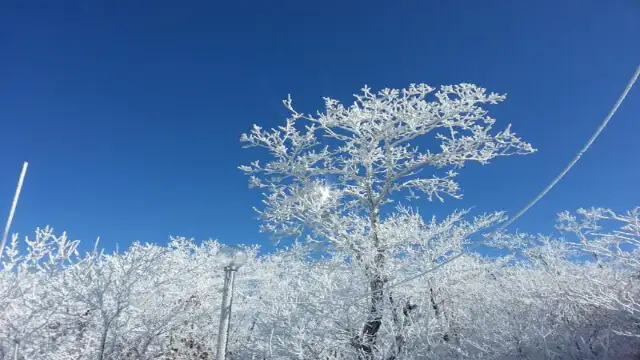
544, 192
553, 183
584, 149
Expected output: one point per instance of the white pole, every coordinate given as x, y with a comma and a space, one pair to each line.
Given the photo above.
225, 312
16, 346
13, 208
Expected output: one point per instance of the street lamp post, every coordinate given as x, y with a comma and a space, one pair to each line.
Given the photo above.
233, 258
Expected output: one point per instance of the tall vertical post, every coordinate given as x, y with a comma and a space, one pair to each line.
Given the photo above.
16, 347
13, 207
225, 312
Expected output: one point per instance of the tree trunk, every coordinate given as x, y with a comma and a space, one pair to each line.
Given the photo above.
366, 343
377, 282
103, 341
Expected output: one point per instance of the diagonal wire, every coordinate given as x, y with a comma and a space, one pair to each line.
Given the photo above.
553, 183
584, 149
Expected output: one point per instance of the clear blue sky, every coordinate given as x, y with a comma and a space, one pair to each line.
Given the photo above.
130, 112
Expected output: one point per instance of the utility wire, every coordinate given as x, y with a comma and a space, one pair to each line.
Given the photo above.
553, 183
584, 149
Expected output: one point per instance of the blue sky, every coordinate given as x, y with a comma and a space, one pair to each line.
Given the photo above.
130, 112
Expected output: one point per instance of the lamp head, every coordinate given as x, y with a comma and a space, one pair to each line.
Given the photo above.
233, 256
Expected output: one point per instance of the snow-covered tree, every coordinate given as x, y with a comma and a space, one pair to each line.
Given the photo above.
27, 295
613, 239
333, 173
550, 299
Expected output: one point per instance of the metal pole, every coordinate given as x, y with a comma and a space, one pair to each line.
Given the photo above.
16, 346
225, 312
13, 207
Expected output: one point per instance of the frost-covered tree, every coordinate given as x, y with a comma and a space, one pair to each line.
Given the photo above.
28, 300
613, 239
551, 299
333, 173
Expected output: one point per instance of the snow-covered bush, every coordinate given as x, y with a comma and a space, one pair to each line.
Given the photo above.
547, 300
